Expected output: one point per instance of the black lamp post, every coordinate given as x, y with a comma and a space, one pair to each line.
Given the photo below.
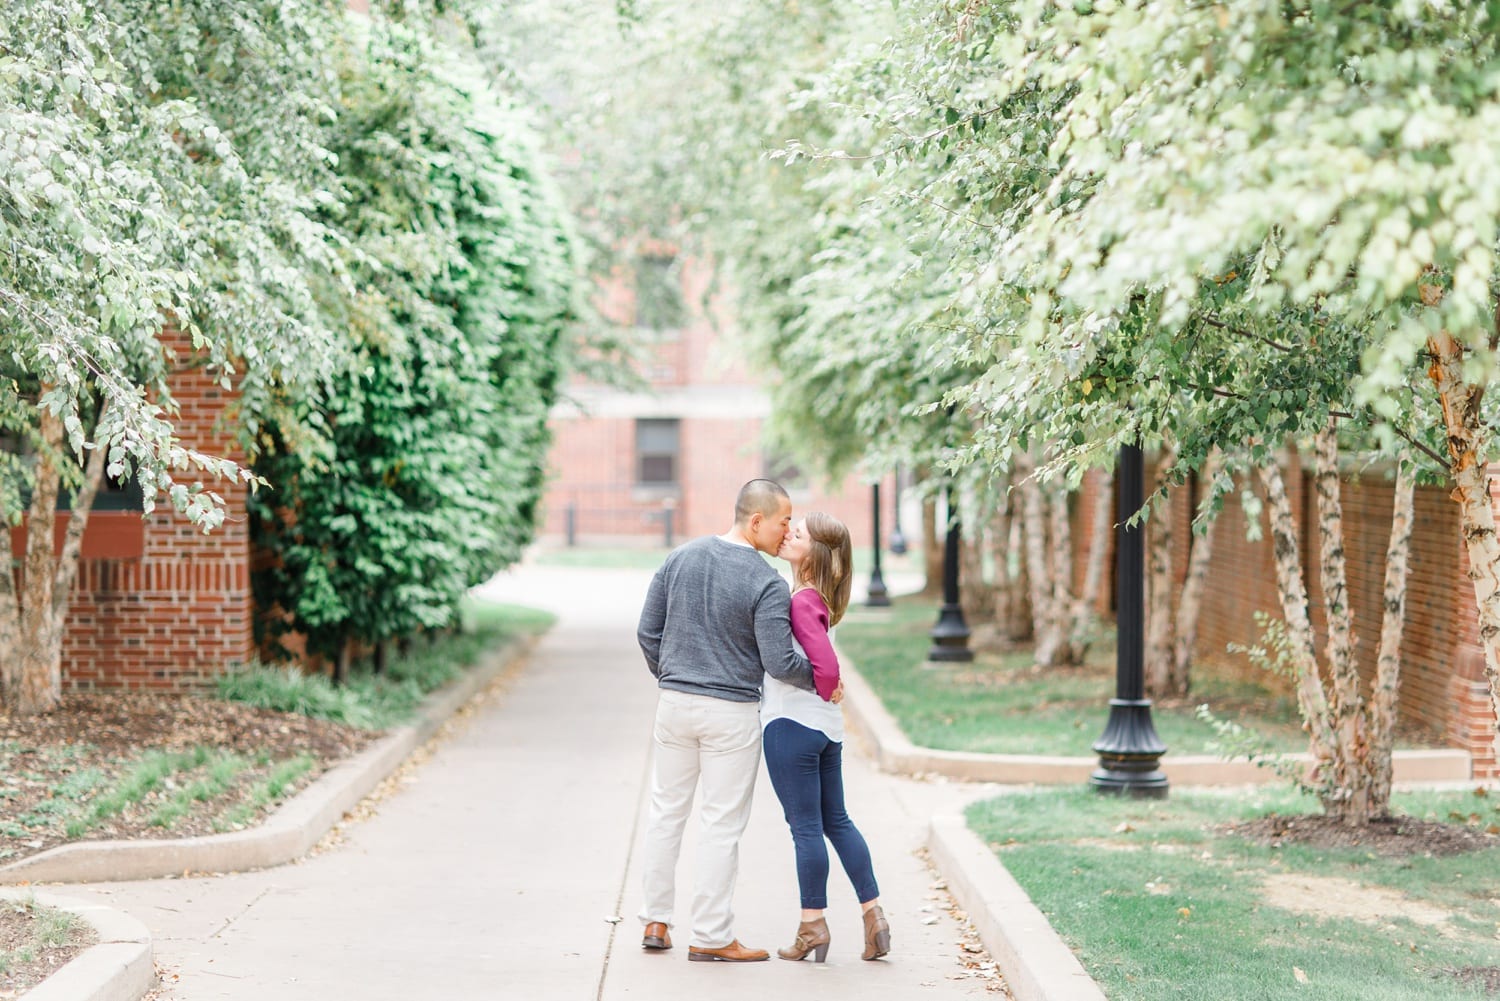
1129, 750
878, 597
950, 637
898, 541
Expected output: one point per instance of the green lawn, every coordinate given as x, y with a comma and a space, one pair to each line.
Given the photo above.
1003, 704
1160, 905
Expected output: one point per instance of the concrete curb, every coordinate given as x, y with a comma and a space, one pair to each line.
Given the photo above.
119, 967
287, 834
1037, 965
896, 753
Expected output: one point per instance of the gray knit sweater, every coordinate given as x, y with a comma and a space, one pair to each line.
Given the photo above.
716, 619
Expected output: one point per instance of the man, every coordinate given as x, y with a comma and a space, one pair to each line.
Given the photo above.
717, 619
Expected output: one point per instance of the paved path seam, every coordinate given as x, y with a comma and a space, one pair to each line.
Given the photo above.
119, 967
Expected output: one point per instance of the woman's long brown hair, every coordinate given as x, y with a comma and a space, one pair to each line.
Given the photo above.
828, 567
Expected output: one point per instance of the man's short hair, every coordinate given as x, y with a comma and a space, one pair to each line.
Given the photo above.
758, 497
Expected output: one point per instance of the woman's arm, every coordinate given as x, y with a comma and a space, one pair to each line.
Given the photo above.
810, 626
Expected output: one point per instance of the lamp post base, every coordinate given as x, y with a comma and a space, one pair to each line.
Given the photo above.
1130, 752
950, 637
878, 596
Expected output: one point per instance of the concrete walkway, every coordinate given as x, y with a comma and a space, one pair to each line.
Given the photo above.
493, 868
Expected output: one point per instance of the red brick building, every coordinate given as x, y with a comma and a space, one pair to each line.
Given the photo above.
626, 463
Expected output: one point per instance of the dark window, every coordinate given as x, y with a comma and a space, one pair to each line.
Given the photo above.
123, 494
656, 451
658, 294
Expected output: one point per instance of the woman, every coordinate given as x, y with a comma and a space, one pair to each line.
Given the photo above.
803, 737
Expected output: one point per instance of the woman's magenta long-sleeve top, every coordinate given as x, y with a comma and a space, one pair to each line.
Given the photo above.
810, 626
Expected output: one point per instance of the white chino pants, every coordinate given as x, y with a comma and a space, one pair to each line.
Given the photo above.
698, 737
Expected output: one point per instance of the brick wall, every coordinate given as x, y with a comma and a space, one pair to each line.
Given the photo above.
178, 614
592, 470
1442, 686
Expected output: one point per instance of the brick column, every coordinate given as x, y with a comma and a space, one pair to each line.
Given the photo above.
181, 612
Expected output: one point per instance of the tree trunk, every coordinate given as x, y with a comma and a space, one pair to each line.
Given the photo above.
1311, 701
1049, 569
72, 549
1160, 627
1393, 623
1349, 795
1085, 610
932, 550
1467, 444
1003, 586
33, 672
1021, 624
1044, 617
977, 596
1200, 552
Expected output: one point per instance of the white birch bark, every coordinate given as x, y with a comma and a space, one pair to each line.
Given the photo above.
1348, 795
977, 595
1311, 700
1084, 612
1049, 614
1059, 546
1022, 623
1393, 624
998, 538
1200, 553
1160, 626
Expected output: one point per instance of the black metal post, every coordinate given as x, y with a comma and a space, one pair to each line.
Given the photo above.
1129, 750
666, 522
950, 637
898, 541
878, 597
570, 522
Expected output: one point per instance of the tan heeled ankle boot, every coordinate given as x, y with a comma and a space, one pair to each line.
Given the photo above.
877, 934
812, 936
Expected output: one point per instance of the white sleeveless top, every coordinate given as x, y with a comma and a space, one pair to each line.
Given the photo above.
778, 700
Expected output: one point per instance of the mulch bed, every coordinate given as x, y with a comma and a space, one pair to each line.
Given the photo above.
107, 730
1392, 837
26, 964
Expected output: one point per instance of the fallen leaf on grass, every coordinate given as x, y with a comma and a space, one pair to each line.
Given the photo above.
1299, 975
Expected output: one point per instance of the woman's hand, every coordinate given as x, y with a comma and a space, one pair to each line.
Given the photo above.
838, 693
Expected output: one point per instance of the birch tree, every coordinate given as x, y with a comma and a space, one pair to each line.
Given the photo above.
1172, 610
1351, 728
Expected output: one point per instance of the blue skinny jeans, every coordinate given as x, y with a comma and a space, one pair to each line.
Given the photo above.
807, 774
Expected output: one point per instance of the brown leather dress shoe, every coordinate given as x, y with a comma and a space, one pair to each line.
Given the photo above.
731, 953
657, 938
